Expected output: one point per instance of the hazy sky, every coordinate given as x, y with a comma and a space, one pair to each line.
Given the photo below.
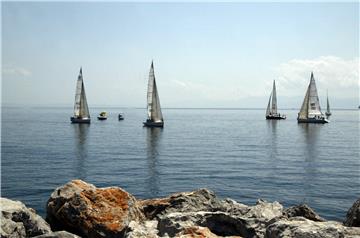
205, 54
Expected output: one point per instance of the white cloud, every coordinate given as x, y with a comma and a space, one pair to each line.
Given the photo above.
338, 75
15, 71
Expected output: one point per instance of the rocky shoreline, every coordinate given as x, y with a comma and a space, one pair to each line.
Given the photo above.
81, 209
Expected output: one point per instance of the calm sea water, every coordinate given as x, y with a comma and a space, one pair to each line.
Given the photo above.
236, 153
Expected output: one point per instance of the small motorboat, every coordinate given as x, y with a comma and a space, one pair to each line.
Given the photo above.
120, 117
102, 116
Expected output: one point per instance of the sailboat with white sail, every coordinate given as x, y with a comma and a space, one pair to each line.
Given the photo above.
328, 112
271, 110
310, 111
81, 109
155, 117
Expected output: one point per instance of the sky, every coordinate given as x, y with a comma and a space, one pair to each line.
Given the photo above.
205, 54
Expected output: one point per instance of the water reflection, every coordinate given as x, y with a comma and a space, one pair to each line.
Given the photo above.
153, 135
311, 153
272, 134
81, 151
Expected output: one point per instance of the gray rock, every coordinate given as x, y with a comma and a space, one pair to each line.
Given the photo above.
301, 227
302, 210
19, 221
353, 215
199, 200
58, 234
202, 208
142, 229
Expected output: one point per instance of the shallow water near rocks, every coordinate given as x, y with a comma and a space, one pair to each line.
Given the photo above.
236, 153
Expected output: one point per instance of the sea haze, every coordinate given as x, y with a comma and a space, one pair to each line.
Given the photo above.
235, 153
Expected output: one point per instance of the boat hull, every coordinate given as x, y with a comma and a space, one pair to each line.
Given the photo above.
313, 120
80, 120
102, 118
153, 124
279, 117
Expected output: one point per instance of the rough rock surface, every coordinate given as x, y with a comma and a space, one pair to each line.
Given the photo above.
202, 208
302, 210
199, 232
301, 227
19, 221
353, 215
88, 211
81, 208
58, 234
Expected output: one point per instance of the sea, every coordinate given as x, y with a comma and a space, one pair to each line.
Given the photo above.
234, 152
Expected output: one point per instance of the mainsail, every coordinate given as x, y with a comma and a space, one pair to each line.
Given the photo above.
81, 109
268, 106
154, 109
272, 104
311, 105
327, 104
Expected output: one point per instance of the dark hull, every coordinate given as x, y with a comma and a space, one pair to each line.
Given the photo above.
80, 120
276, 117
313, 120
153, 124
102, 118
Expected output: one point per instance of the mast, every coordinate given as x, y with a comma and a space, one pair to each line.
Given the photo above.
274, 100
314, 103
153, 101
81, 108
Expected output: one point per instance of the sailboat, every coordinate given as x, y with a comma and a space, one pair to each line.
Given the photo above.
81, 110
310, 111
271, 110
327, 113
155, 118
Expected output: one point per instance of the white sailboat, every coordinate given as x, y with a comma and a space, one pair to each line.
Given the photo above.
327, 113
271, 110
81, 110
310, 111
155, 118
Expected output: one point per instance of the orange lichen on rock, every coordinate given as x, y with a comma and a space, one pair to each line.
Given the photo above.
93, 211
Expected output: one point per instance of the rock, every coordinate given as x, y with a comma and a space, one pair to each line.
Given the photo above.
83, 209
199, 232
202, 208
353, 215
58, 234
303, 228
199, 200
19, 221
143, 229
302, 210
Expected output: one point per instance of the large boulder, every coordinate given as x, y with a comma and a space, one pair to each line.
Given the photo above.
181, 211
19, 221
353, 215
301, 227
199, 200
88, 211
302, 210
